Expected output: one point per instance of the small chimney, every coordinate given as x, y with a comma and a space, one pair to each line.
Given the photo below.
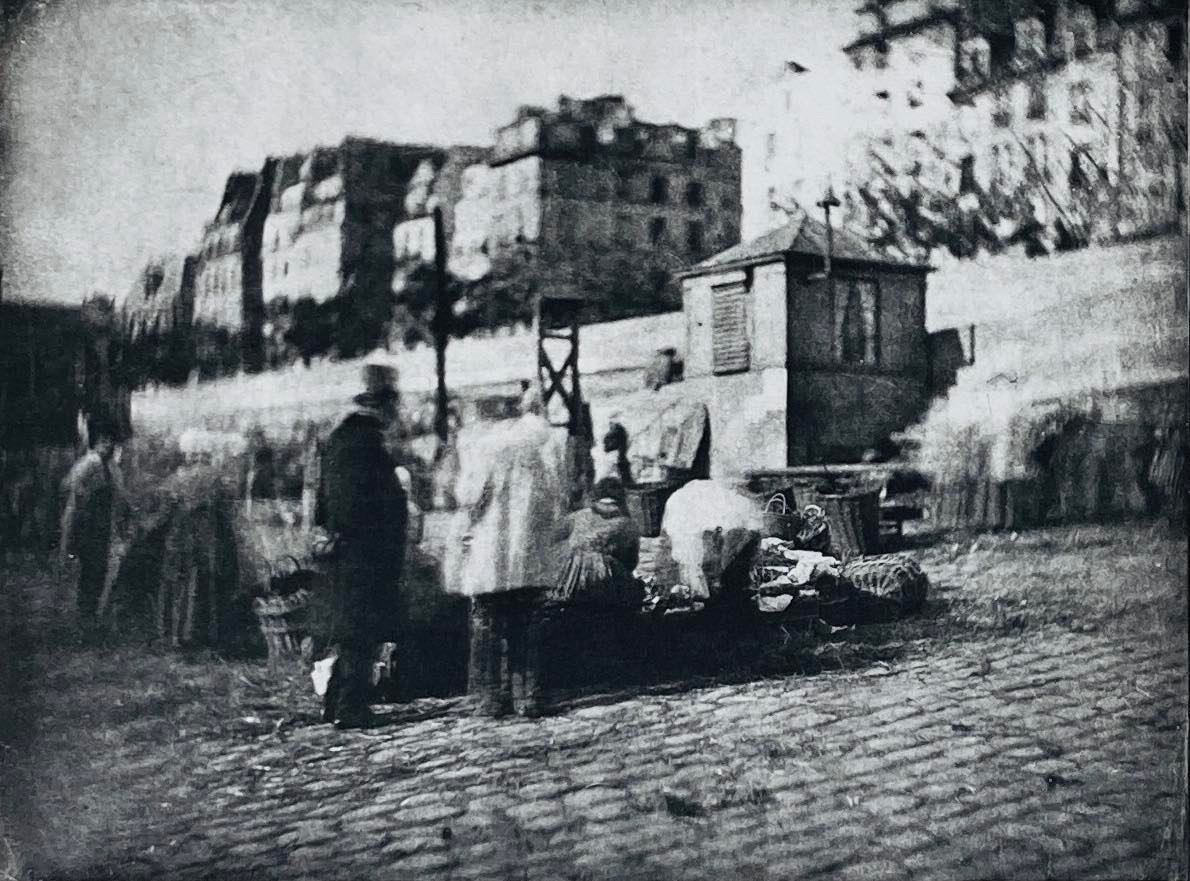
722, 130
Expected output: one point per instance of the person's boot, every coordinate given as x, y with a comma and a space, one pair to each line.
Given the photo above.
355, 718
354, 672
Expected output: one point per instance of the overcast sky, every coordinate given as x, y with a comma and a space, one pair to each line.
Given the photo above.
124, 117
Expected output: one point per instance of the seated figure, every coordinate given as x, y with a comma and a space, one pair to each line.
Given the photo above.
604, 546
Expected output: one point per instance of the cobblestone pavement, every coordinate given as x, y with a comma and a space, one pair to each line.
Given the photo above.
1056, 755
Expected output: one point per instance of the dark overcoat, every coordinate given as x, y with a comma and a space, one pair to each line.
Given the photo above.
361, 504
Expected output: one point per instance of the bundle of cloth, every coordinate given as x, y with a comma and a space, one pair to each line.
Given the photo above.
784, 571
716, 545
863, 590
711, 531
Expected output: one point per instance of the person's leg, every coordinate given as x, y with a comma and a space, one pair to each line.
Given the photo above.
92, 570
351, 681
529, 635
489, 675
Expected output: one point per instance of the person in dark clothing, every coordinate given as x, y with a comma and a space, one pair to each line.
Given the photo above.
604, 548
591, 611
363, 506
93, 489
615, 442
262, 475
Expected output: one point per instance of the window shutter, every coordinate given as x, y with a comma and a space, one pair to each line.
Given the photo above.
729, 329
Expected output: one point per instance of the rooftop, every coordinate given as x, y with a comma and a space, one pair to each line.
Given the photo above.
238, 195
802, 236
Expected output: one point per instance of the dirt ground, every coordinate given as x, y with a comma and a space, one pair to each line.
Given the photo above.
98, 740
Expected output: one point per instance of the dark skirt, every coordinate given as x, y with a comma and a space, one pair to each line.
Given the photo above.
592, 578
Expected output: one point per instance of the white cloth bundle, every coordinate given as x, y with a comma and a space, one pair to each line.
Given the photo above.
698, 507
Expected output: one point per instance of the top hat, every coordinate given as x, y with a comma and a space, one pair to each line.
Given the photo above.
380, 386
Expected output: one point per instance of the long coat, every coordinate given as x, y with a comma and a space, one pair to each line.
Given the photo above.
361, 504
512, 494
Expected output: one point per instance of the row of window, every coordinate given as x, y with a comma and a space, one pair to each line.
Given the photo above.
216, 283
605, 186
1082, 111
1030, 41
659, 228
221, 246
626, 233
1034, 158
856, 314
1034, 39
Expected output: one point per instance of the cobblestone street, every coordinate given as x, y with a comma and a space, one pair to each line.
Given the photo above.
1061, 759
1051, 754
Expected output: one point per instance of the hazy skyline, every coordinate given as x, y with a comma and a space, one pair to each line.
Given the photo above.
123, 119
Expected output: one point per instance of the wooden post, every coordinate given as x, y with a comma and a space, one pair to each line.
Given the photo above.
441, 327
558, 318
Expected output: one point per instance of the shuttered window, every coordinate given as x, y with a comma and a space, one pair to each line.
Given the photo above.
729, 329
857, 321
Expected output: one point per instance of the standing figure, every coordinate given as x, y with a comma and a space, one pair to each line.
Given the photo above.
93, 489
364, 508
614, 461
512, 494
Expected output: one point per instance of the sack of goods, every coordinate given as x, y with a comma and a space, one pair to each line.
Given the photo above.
896, 577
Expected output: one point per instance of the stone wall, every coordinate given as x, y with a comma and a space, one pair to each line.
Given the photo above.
747, 409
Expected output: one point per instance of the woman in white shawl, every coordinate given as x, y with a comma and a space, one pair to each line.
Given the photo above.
513, 490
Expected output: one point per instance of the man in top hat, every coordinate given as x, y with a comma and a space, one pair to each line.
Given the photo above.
363, 505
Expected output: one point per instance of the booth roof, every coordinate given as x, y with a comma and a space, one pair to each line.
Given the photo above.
803, 236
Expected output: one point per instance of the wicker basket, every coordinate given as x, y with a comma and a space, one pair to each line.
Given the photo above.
282, 623
646, 504
282, 614
853, 513
781, 520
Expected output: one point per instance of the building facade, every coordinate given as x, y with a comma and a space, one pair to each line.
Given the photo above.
438, 181
1078, 114
1049, 123
162, 298
329, 229
228, 294
606, 206
157, 320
